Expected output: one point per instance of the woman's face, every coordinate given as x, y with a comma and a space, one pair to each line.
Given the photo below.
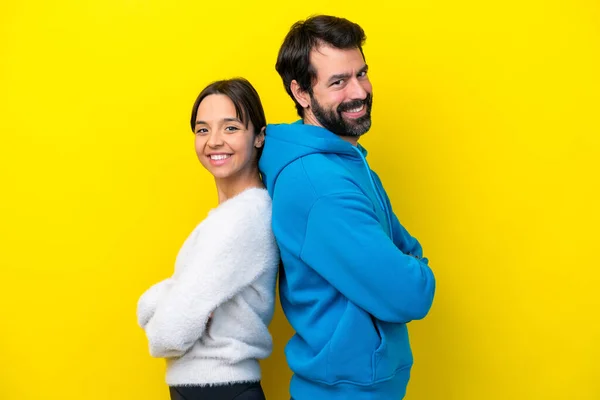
224, 146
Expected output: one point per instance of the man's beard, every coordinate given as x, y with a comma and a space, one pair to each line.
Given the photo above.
333, 121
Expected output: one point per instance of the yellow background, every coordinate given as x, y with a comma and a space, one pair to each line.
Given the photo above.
486, 135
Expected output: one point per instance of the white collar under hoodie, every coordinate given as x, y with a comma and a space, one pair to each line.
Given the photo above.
227, 267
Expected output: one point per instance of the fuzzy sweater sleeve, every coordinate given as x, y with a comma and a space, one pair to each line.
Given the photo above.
231, 249
149, 300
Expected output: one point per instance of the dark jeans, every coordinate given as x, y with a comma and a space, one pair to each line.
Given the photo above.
234, 391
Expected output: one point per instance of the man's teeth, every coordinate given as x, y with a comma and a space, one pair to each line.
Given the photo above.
355, 110
219, 156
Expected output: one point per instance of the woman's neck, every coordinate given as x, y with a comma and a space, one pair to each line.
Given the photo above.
228, 188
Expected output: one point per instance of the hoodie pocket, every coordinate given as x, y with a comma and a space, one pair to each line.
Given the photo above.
394, 351
352, 346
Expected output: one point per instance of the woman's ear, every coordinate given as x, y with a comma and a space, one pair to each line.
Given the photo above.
259, 140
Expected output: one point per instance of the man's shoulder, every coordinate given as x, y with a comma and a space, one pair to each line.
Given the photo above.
319, 173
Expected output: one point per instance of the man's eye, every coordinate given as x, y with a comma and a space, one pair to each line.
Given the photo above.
337, 83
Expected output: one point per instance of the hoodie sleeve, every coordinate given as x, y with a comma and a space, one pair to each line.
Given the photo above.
402, 239
405, 242
242, 249
345, 244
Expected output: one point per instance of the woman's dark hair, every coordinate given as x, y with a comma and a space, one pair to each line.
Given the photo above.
293, 61
245, 98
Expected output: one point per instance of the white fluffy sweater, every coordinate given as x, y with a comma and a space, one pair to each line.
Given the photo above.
227, 267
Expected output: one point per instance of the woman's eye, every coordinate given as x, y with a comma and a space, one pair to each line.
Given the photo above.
201, 131
232, 128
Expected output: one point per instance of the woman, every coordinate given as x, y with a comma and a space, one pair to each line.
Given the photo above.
209, 320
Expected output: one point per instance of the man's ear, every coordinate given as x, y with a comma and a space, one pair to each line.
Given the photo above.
300, 95
259, 140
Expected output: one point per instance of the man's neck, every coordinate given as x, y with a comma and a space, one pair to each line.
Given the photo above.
311, 120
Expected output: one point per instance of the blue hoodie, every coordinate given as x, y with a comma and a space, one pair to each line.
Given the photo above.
352, 276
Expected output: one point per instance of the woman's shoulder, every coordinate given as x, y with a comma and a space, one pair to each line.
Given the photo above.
252, 199
253, 194
251, 205
244, 217
260, 195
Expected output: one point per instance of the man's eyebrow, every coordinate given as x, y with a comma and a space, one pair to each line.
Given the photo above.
338, 77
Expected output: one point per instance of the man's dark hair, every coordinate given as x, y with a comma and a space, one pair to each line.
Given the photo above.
293, 61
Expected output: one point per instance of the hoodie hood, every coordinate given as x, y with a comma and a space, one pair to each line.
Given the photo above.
285, 143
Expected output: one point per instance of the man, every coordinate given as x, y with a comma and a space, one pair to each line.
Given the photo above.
352, 276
